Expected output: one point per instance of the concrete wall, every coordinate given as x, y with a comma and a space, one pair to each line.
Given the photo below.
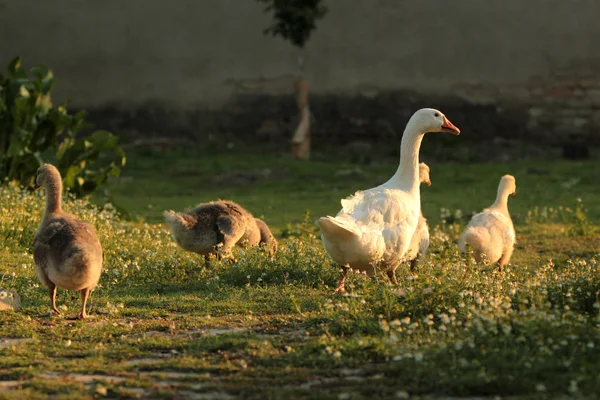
201, 53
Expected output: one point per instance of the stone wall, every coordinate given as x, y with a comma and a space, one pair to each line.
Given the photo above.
567, 101
509, 68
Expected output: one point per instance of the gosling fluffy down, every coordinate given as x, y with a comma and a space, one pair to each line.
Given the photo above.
66, 250
215, 227
491, 233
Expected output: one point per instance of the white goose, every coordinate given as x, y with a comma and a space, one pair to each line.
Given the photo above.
420, 240
374, 228
491, 233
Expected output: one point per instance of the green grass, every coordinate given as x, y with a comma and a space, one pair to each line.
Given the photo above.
282, 190
271, 328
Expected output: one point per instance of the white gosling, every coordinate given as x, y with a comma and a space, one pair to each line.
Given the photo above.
491, 233
420, 240
216, 227
66, 250
375, 227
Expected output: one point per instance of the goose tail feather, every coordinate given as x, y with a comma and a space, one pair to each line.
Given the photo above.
478, 238
174, 220
335, 228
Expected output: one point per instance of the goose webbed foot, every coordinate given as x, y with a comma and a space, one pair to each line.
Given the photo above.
77, 317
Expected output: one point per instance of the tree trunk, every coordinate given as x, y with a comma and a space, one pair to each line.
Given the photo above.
301, 138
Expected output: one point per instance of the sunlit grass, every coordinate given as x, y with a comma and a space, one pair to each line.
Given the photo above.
271, 327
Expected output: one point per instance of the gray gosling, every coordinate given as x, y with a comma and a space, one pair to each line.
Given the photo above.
216, 227
66, 250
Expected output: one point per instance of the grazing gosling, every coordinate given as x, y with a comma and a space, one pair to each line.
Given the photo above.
491, 233
215, 227
66, 250
420, 240
266, 237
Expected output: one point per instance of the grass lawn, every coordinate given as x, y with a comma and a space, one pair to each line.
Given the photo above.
281, 190
163, 326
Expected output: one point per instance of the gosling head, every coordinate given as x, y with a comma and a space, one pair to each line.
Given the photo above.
266, 237
424, 174
432, 120
47, 175
508, 183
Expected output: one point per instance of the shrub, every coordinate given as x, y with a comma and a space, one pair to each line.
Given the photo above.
294, 20
33, 132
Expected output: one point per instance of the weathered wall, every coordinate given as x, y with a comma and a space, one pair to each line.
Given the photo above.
189, 54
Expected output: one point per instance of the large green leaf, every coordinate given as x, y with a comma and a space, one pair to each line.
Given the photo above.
33, 131
104, 140
44, 103
15, 70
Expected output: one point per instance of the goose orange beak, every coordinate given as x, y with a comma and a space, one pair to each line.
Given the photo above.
449, 127
428, 182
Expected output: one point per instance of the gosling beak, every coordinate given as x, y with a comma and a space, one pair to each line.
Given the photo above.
514, 193
449, 127
36, 186
428, 182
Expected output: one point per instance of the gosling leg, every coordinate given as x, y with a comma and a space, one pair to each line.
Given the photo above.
52, 291
84, 296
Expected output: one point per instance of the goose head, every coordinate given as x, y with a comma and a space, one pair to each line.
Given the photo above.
432, 120
424, 174
508, 184
47, 175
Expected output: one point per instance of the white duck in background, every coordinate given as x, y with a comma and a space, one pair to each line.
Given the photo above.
375, 227
420, 240
491, 233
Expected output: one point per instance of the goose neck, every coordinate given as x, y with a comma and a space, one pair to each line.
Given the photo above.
53, 197
407, 175
501, 202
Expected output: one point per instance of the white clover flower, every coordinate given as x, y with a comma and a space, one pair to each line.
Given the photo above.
540, 387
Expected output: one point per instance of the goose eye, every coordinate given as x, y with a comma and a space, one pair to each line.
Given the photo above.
436, 115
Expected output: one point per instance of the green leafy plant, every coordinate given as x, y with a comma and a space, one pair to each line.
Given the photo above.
33, 132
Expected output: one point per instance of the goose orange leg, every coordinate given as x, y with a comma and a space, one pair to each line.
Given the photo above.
341, 286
